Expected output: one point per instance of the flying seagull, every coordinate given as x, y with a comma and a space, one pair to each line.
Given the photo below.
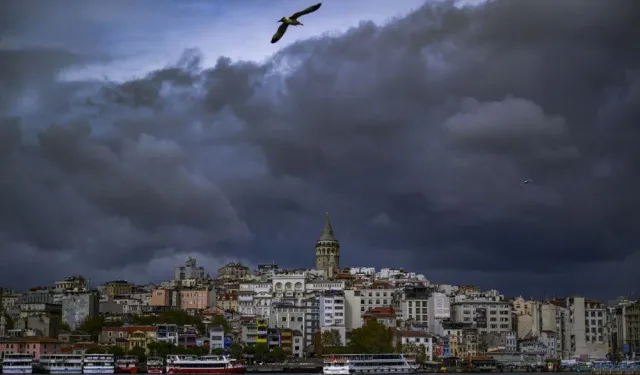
525, 182
293, 20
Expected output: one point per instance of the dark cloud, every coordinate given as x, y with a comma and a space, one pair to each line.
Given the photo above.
415, 135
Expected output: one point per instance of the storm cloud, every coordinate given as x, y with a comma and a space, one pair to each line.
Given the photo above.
415, 134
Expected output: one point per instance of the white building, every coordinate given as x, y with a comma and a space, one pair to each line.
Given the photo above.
438, 310
489, 314
353, 309
190, 270
413, 304
378, 294
332, 313
587, 334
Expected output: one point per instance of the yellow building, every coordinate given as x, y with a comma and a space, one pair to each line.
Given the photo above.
228, 301
118, 288
262, 325
141, 337
286, 340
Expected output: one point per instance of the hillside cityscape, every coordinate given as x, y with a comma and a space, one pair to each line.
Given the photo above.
310, 312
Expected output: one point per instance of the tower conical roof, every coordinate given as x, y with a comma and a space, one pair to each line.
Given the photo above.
327, 232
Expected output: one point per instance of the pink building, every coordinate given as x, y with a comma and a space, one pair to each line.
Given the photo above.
160, 297
31, 345
197, 299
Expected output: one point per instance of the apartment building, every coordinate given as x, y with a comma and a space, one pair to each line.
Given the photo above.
378, 294
586, 333
488, 313
438, 311
190, 270
332, 313
414, 303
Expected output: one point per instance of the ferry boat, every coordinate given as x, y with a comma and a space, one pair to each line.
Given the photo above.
60, 364
391, 363
126, 365
155, 365
17, 363
191, 364
98, 364
335, 366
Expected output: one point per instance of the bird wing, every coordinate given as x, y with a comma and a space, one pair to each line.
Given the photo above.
310, 9
281, 30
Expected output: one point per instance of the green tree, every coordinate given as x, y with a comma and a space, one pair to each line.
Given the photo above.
139, 352
371, 338
236, 350
217, 351
64, 327
115, 350
277, 354
92, 325
8, 321
95, 350
174, 316
331, 338
260, 351
220, 320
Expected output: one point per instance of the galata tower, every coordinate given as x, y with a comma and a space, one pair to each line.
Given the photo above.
328, 251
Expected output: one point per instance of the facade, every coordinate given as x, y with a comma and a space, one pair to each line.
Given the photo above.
233, 271
414, 304
190, 270
78, 306
438, 310
72, 284
586, 333
378, 294
118, 288
31, 345
627, 329
167, 333
328, 251
416, 339
489, 314
216, 337
332, 313
197, 299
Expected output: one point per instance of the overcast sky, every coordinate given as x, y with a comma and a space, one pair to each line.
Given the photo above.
134, 134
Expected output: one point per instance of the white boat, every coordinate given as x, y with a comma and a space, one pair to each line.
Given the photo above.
17, 363
155, 365
98, 364
60, 363
335, 366
211, 364
391, 363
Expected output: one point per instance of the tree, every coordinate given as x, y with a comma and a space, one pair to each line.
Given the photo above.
139, 352
174, 316
95, 350
64, 327
115, 350
371, 338
217, 351
220, 320
92, 325
331, 338
8, 321
277, 354
261, 351
236, 350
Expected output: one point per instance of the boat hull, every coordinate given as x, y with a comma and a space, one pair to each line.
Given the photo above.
70, 370
98, 370
126, 370
17, 370
200, 370
154, 370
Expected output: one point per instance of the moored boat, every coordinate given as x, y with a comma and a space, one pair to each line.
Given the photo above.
60, 364
155, 365
191, 364
98, 364
391, 363
17, 363
127, 365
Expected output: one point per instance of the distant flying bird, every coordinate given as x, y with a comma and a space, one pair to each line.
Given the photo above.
525, 182
293, 20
